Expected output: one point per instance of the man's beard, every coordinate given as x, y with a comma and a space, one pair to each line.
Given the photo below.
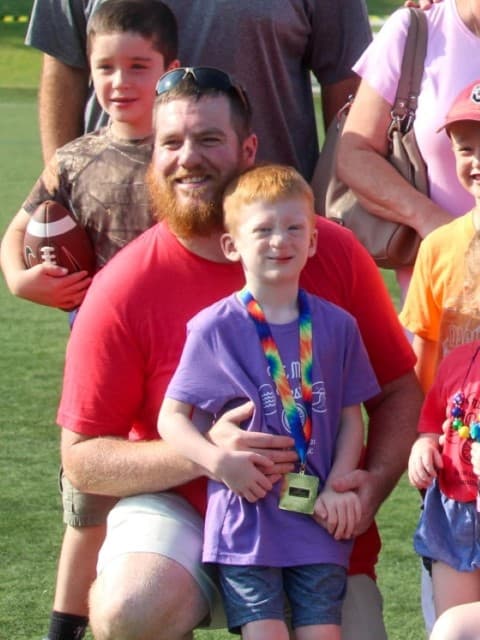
197, 218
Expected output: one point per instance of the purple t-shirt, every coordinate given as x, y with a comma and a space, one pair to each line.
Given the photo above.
223, 364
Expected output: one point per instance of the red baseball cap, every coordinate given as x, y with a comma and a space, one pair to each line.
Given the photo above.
466, 106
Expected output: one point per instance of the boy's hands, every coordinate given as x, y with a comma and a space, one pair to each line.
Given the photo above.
244, 473
338, 513
249, 462
425, 459
227, 434
50, 285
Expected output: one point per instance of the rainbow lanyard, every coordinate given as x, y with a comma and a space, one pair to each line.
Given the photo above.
301, 434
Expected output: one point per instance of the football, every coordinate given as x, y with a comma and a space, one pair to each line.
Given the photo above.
54, 235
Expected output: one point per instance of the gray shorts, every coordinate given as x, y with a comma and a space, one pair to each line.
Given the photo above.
166, 524
83, 509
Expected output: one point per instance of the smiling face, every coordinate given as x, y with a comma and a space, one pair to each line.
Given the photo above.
125, 69
273, 240
197, 152
465, 137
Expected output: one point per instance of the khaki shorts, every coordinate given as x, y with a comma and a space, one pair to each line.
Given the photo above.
83, 509
362, 613
166, 524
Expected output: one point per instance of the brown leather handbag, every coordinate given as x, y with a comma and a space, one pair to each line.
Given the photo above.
391, 244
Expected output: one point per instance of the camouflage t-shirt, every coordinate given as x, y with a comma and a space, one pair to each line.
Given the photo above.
101, 180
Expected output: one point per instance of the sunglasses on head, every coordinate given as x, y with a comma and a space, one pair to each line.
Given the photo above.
204, 78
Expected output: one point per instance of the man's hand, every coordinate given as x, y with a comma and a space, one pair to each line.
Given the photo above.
227, 434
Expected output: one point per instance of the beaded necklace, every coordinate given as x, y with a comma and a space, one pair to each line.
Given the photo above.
457, 412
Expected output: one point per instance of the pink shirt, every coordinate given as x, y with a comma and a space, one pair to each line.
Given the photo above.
451, 63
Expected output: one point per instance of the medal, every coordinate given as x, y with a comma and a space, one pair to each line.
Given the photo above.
299, 490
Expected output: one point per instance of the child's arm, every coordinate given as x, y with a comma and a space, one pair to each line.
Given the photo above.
425, 459
45, 283
426, 352
340, 512
237, 469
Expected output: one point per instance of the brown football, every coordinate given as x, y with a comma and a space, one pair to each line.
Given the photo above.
54, 235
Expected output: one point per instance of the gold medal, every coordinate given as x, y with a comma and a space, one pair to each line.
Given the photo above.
299, 492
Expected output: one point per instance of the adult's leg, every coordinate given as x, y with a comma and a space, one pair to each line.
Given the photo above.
151, 583
85, 516
145, 596
77, 568
362, 613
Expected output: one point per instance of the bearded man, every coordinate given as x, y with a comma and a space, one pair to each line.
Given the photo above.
127, 341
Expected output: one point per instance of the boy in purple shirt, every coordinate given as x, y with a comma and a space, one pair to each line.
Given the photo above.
302, 363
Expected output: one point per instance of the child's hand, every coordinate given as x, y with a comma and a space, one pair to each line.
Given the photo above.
227, 434
240, 471
338, 513
445, 428
425, 459
50, 285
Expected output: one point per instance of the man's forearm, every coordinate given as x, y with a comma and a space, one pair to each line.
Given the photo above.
392, 431
62, 97
118, 467
336, 95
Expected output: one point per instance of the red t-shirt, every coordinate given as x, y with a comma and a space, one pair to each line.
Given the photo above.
130, 330
458, 371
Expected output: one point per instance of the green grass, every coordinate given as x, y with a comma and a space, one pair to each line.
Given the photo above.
33, 340
20, 64
15, 7
382, 7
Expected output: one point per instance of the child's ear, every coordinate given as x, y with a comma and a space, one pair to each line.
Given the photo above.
313, 243
228, 247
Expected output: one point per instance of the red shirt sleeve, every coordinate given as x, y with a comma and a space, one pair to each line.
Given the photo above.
343, 272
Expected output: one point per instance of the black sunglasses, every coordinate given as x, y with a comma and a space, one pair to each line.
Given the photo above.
204, 78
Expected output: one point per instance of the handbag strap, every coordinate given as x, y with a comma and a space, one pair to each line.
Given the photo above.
413, 63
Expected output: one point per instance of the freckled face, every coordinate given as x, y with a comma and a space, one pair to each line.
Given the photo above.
273, 240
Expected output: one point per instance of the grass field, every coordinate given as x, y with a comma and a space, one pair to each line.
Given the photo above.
33, 340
